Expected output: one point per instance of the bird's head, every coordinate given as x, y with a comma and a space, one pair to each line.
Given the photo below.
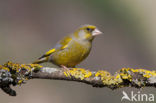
87, 32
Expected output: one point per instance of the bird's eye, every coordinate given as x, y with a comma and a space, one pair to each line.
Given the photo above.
88, 29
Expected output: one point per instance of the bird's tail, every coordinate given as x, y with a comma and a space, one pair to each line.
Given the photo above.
45, 57
40, 60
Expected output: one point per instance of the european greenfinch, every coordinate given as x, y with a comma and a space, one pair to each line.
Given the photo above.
72, 49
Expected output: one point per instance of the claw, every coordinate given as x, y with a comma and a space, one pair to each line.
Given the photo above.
64, 68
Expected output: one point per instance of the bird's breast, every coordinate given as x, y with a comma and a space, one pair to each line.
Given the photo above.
76, 52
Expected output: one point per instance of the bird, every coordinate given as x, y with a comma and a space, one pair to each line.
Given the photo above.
72, 49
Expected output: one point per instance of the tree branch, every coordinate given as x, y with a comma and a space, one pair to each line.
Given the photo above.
17, 74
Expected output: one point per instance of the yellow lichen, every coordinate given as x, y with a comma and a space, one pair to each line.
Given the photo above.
147, 75
20, 72
88, 74
102, 73
5, 68
67, 74
104, 76
125, 73
20, 82
78, 73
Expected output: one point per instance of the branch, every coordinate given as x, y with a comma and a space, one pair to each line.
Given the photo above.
17, 74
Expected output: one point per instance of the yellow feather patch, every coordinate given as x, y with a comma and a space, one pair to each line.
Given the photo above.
65, 46
50, 51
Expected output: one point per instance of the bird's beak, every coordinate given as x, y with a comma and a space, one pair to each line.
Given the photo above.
96, 32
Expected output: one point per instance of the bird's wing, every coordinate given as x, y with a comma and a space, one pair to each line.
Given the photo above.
62, 44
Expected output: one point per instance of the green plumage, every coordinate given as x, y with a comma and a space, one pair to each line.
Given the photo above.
72, 55
72, 49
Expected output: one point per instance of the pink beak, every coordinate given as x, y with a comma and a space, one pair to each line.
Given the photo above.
96, 32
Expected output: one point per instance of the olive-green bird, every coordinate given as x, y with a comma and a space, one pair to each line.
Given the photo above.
72, 49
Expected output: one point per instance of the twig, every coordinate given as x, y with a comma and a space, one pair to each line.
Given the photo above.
17, 74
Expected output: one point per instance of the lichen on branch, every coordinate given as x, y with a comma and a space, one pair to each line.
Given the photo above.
17, 74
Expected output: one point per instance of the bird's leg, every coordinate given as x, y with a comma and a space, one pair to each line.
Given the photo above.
64, 68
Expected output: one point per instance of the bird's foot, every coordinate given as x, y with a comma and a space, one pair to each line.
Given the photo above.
64, 68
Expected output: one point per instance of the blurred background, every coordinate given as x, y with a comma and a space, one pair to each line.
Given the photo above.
28, 28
